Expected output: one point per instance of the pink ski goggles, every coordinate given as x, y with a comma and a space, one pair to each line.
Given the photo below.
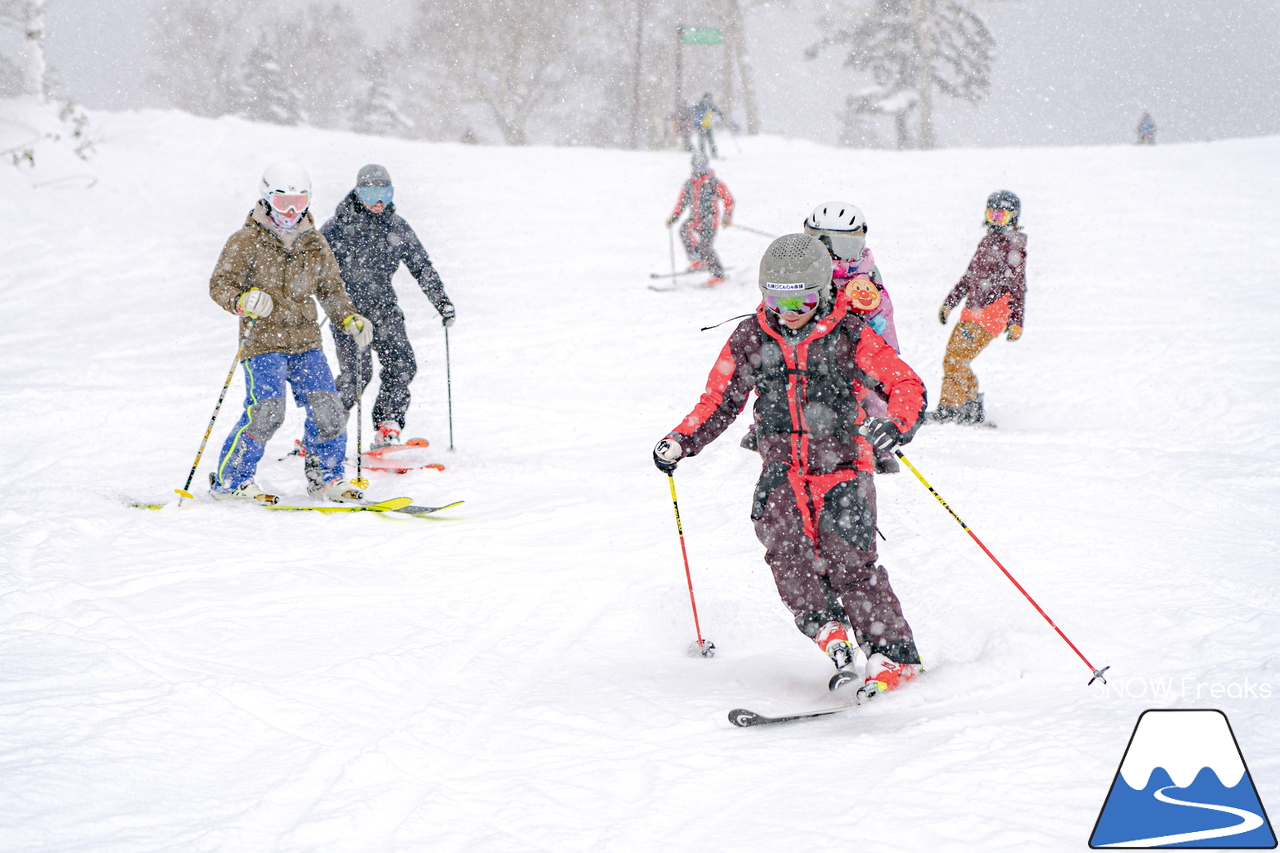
999, 216
794, 304
284, 203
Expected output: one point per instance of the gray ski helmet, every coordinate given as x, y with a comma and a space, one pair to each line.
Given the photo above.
794, 265
373, 175
700, 164
1005, 200
840, 226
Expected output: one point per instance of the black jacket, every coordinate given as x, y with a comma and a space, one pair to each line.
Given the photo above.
370, 247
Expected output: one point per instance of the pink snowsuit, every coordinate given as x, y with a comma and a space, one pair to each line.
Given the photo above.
865, 268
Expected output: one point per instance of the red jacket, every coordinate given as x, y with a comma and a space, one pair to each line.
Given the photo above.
699, 194
999, 266
808, 406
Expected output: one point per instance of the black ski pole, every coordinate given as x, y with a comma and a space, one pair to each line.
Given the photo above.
184, 492
448, 374
1097, 673
360, 482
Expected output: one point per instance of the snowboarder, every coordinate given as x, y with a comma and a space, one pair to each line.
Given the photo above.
811, 361
703, 194
702, 114
1146, 130
268, 273
994, 288
370, 241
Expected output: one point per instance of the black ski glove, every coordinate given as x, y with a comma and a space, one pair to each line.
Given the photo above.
883, 433
447, 313
666, 455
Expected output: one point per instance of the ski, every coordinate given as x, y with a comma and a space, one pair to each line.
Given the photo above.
424, 511
390, 505
743, 718
675, 274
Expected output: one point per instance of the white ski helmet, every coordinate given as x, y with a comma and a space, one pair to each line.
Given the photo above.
286, 179
795, 265
841, 227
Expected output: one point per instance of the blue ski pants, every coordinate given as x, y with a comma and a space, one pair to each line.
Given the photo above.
325, 434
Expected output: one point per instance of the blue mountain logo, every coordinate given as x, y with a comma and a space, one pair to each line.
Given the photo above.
1183, 783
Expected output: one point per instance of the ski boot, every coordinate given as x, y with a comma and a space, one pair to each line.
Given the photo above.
246, 491
386, 435
884, 675
339, 490
834, 640
714, 281
945, 414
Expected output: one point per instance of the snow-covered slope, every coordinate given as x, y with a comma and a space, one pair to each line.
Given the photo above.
224, 678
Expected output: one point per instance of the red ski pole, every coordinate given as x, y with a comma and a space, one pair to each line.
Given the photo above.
706, 648
1097, 673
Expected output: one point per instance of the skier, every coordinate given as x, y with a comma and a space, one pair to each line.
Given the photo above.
702, 194
702, 114
370, 240
267, 274
843, 230
994, 288
811, 361
1146, 130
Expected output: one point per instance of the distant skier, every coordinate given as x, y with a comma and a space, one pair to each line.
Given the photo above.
702, 114
810, 360
994, 288
370, 241
703, 194
267, 275
684, 123
1146, 130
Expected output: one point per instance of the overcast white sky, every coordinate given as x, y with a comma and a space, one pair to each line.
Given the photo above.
1067, 71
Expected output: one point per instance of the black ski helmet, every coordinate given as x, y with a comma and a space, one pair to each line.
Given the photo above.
1005, 200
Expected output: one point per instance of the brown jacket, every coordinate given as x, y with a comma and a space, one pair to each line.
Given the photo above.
291, 268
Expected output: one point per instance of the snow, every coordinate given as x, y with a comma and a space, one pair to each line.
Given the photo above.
1183, 743
514, 677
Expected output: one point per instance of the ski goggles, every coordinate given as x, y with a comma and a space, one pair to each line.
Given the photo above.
999, 216
372, 195
801, 303
847, 246
285, 202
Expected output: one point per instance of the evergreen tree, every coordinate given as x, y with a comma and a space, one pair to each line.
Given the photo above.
378, 114
265, 93
911, 48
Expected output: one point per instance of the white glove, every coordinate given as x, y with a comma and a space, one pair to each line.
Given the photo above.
666, 454
359, 328
254, 304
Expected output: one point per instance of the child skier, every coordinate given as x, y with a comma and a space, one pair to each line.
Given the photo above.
810, 360
702, 194
268, 273
994, 288
370, 241
843, 230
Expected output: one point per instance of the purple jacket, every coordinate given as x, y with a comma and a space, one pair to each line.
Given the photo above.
999, 266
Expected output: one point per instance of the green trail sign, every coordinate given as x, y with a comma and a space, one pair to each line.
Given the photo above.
702, 35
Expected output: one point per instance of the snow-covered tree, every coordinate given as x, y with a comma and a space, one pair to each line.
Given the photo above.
198, 47
913, 48
265, 93
377, 112
512, 57
27, 16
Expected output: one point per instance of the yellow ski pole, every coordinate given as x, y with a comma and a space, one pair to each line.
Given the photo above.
184, 492
1097, 673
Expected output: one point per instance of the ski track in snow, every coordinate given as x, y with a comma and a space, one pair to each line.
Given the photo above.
218, 678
